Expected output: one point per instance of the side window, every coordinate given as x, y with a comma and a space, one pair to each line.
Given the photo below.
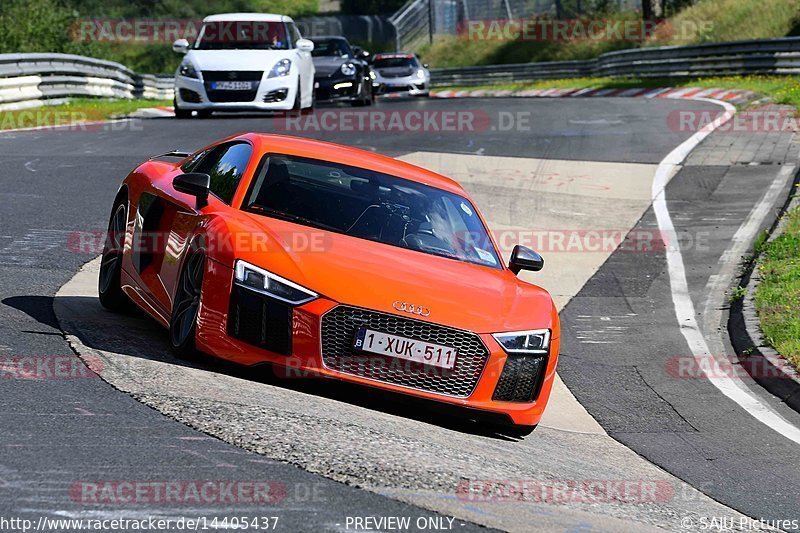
294, 34
226, 165
190, 165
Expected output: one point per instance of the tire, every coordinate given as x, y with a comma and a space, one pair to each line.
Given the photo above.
186, 304
204, 113
109, 286
298, 102
180, 113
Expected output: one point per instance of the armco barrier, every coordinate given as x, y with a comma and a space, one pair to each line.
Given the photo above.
31, 80
763, 56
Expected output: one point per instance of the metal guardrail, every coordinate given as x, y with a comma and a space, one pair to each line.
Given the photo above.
765, 56
32, 80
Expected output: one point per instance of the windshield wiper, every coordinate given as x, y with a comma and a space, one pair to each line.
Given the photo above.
289, 217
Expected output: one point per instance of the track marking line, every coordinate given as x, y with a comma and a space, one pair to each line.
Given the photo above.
735, 390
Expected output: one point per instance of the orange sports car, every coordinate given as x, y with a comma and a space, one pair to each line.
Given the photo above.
334, 262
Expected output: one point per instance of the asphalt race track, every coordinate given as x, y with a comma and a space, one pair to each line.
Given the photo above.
339, 452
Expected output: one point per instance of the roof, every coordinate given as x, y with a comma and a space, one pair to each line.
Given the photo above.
346, 155
247, 17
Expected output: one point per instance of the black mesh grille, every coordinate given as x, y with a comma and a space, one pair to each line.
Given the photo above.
260, 320
210, 76
519, 381
339, 327
190, 96
235, 75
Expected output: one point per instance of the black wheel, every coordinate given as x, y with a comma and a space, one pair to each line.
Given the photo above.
296, 108
204, 113
109, 287
180, 113
186, 305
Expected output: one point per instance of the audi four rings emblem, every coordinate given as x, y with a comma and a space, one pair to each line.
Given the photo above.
411, 308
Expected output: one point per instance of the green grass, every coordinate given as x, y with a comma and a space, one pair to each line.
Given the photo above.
781, 89
707, 21
74, 112
778, 295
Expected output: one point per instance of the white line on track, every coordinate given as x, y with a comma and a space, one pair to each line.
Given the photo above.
735, 389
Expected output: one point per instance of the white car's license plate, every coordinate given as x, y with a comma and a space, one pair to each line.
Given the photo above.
427, 353
232, 85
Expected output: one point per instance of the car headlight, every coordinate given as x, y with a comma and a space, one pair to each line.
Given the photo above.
535, 341
187, 70
420, 73
372, 75
281, 69
348, 69
265, 282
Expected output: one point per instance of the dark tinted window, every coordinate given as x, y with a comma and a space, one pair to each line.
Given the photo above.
331, 47
371, 205
226, 165
395, 62
243, 35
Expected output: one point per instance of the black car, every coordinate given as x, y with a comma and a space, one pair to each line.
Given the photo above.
343, 74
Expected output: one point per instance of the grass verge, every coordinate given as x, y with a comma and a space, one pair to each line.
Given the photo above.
777, 297
781, 89
74, 112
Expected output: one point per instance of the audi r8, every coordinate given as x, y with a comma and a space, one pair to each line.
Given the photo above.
244, 62
342, 73
336, 263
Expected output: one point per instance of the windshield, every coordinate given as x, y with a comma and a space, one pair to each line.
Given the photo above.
395, 62
242, 35
331, 47
371, 205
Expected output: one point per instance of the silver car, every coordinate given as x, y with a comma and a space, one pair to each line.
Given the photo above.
400, 74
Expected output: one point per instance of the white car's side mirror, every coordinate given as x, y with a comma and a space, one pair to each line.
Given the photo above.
181, 46
304, 45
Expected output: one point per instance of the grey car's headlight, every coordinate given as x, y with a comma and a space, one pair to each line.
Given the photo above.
187, 70
265, 282
372, 75
536, 341
420, 73
281, 69
348, 69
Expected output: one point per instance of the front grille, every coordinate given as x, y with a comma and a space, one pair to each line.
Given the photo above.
232, 75
260, 320
226, 96
519, 381
339, 328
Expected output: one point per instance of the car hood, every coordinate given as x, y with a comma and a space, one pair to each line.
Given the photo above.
227, 60
372, 275
329, 65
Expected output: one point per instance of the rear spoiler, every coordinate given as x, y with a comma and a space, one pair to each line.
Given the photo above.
174, 153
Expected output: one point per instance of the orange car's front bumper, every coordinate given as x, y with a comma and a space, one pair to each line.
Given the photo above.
304, 358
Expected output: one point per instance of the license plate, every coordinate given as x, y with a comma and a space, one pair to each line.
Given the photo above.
232, 85
427, 353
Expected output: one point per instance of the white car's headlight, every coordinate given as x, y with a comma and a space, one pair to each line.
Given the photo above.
281, 69
348, 69
420, 73
265, 282
372, 75
535, 341
187, 70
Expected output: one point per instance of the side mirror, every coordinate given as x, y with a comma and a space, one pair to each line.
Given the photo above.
195, 183
523, 258
304, 45
181, 46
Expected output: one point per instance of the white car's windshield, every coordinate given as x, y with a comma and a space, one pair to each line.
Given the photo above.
242, 35
371, 205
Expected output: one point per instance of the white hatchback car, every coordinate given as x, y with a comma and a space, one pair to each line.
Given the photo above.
244, 62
